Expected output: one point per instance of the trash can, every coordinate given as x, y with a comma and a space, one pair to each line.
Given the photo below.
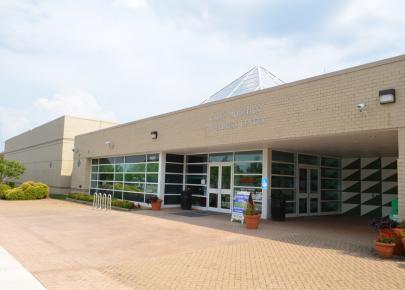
186, 199
278, 210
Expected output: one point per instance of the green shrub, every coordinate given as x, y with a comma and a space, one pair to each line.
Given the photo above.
11, 184
58, 196
3, 188
27, 191
81, 196
122, 203
89, 198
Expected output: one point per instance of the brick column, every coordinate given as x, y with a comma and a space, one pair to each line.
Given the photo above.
401, 173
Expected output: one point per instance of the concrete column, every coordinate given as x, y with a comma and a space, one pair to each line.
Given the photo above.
162, 171
401, 173
266, 172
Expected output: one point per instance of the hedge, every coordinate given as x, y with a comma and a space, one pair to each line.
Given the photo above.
3, 188
27, 191
114, 202
81, 196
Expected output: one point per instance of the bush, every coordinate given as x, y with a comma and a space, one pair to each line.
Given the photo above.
81, 196
122, 203
27, 191
114, 202
3, 188
11, 184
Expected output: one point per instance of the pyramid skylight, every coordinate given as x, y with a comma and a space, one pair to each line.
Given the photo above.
257, 78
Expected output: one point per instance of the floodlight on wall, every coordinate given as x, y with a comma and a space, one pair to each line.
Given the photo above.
387, 96
109, 144
154, 135
75, 150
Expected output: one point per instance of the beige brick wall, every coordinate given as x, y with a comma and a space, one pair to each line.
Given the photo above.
46, 151
320, 106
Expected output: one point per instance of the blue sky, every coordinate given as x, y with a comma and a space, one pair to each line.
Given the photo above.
127, 59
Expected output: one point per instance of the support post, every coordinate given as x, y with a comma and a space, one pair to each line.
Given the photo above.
401, 173
266, 172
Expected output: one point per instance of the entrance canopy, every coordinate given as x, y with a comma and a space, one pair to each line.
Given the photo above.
357, 144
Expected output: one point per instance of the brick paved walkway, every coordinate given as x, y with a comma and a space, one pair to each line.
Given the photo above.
71, 246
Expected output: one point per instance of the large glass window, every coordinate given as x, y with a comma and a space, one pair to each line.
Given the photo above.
248, 167
129, 177
196, 176
283, 179
173, 178
249, 156
221, 157
248, 174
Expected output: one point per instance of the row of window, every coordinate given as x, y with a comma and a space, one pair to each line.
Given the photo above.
133, 178
283, 183
247, 174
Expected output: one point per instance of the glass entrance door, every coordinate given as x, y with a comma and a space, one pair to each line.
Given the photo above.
220, 187
308, 191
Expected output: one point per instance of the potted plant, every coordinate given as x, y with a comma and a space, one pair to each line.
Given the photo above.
403, 238
400, 244
383, 224
251, 216
155, 202
387, 225
385, 244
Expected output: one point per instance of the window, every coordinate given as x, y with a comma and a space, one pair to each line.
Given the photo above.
283, 179
129, 177
173, 178
221, 157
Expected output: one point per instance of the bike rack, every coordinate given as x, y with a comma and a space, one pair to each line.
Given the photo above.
102, 201
95, 199
109, 202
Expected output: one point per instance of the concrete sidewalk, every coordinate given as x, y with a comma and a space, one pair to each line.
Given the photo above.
14, 276
73, 246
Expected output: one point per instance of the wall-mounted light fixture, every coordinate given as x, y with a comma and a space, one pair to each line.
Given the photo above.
154, 135
387, 96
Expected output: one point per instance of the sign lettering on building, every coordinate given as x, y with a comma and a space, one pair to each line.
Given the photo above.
245, 116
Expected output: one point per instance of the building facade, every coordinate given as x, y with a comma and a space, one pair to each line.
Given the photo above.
46, 151
331, 144
328, 145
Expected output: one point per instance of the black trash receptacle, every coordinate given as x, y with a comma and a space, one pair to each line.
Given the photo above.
186, 199
278, 209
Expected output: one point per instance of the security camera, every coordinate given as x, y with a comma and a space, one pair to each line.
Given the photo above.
361, 107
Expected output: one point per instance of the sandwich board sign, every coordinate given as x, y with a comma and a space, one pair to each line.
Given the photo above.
240, 201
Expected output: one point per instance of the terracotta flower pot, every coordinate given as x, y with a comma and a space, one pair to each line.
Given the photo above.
384, 250
399, 247
252, 221
156, 205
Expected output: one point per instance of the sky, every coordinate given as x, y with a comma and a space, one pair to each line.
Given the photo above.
123, 60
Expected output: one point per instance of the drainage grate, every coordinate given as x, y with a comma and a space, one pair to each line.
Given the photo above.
196, 213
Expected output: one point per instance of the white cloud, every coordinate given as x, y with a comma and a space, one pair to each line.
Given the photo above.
133, 4
76, 103
14, 121
139, 61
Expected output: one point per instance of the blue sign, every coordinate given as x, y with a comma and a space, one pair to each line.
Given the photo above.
240, 200
264, 182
